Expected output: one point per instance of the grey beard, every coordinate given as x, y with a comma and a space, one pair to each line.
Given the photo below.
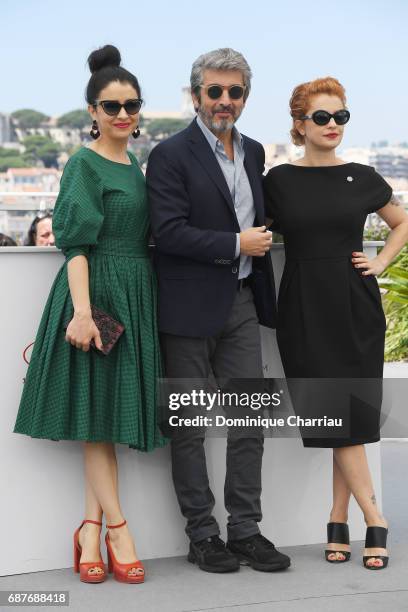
222, 125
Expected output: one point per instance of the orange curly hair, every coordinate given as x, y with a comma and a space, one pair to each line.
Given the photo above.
300, 100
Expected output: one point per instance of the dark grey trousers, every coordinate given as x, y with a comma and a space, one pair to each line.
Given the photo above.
234, 353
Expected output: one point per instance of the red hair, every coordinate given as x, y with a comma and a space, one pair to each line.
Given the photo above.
302, 95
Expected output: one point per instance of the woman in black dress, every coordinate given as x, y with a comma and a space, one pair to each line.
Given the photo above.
330, 319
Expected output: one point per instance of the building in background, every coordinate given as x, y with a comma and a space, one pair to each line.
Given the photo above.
24, 190
32, 179
5, 128
19, 187
389, 161
279, 153
186, 111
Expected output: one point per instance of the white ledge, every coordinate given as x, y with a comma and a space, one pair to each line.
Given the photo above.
50, 249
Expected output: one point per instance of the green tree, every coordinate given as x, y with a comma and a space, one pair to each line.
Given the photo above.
9, 152
395, 299
163, 128
11, 158
74, 119
12, 162
43, 148
48, 154
395, 282
29, 118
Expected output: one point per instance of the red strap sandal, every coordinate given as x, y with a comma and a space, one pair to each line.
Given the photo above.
121, 570
86, 570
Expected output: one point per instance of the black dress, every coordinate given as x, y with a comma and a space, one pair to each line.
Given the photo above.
331, 324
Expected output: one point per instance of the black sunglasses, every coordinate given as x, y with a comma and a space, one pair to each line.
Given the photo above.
113, 107
322, 117
214, 92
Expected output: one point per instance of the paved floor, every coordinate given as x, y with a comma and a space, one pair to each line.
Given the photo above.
310, 585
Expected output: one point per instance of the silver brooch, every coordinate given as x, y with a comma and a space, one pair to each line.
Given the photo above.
350, 178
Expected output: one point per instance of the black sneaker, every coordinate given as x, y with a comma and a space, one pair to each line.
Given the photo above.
211, 555
258, 552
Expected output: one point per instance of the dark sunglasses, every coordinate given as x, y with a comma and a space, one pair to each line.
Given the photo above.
113, 107
214, 92
322, 117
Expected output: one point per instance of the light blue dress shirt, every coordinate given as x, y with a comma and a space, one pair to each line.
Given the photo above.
238, 184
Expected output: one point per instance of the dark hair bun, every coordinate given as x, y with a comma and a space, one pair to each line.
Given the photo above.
103, 57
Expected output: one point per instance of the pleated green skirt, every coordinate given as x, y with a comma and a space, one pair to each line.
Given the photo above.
72, 395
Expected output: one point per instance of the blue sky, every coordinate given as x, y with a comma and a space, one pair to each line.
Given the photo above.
364, 43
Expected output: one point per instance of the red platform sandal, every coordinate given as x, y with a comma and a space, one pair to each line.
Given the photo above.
121, 570
85, 568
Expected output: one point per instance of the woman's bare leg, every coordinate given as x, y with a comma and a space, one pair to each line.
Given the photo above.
101, 473
339, 511
89, 535
352, 461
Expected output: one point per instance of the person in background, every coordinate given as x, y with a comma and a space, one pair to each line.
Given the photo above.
6, 241
40, 232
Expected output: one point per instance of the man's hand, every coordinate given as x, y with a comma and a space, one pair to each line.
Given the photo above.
255, 241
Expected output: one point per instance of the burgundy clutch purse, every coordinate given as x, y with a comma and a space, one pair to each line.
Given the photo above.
109, 328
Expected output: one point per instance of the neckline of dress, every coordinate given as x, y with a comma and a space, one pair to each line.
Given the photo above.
111, 160
319, 167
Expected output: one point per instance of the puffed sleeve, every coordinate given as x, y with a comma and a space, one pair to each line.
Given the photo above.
271, 206
379, 193
78, 212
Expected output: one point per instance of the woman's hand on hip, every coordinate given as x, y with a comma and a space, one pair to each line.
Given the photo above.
370, 266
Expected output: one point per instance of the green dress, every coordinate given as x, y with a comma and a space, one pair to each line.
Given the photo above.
101, 212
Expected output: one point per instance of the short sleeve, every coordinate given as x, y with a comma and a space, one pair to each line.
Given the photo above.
380, 191
78, 212
271, 205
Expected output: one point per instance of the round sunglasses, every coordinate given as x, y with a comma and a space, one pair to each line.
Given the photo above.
113, 107
322, 117
214, 92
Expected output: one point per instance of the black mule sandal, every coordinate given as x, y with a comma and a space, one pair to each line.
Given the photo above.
376, 537
337, 533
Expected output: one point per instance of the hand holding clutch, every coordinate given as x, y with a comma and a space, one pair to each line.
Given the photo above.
109, 329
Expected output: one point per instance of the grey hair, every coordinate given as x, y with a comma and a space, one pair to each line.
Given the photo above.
220, 59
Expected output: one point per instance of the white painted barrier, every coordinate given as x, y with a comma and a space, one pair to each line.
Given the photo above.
41, 481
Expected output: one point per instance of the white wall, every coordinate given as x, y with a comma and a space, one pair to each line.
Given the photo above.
41, 481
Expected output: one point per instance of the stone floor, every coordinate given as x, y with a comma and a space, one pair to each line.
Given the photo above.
310, 585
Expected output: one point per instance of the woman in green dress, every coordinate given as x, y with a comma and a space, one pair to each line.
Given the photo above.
73, 391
